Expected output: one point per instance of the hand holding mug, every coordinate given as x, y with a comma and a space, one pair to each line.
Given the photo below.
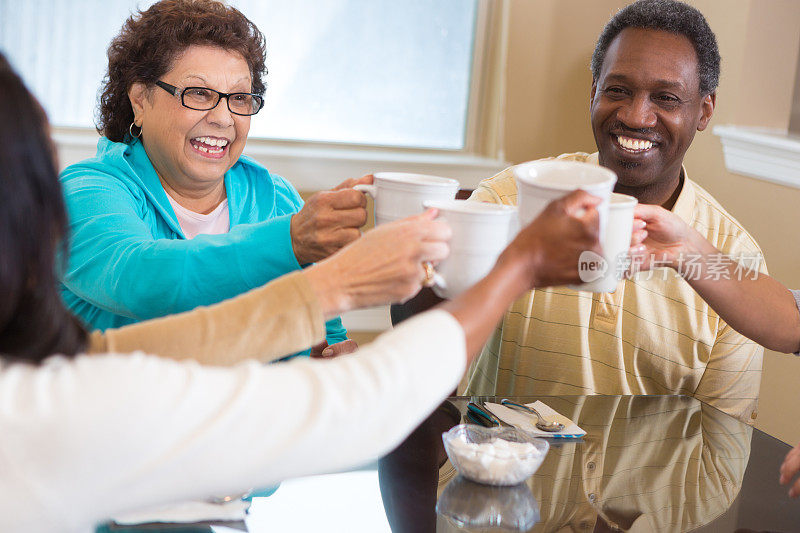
480, 233
540, 182
328, 221
382, 267
548, 249
545, 252
662, 238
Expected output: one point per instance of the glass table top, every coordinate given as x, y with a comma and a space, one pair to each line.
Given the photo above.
647, 463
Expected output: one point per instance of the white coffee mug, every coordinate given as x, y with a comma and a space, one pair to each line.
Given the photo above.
603, 273
541, 182
481, 232
400, 195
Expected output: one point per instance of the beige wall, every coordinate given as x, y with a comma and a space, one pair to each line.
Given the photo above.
547, 100
758, 85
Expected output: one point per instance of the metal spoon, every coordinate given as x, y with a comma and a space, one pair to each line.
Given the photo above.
541, 423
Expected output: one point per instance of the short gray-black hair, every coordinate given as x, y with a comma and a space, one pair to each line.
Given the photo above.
673, 17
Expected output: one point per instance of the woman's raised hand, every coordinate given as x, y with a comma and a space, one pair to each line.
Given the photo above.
382, 267
328, 221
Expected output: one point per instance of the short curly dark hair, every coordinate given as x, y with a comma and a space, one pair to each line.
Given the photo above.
673, 17
149, 42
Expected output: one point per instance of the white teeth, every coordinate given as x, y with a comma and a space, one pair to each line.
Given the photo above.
211, 142
210, 150
638, 145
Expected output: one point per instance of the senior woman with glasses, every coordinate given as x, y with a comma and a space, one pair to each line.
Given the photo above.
169, 214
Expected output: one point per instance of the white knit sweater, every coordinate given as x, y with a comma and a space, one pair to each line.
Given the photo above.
84, 438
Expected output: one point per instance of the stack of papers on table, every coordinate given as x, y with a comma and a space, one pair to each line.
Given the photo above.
527, 422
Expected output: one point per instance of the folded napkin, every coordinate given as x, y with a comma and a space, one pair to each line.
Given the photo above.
187, 512
527, 422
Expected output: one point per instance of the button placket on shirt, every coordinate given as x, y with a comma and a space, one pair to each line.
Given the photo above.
606, 309
592, 475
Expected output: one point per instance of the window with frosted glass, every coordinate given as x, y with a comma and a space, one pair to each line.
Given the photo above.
379, 72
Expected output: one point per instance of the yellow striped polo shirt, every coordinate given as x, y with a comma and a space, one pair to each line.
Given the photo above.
654, 335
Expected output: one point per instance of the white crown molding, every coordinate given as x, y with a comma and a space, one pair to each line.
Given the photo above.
765, 154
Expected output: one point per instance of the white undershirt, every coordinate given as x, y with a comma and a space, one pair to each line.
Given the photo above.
193, 224
86, 438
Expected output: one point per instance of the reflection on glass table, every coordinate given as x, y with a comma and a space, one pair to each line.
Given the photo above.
647, 463
467, 504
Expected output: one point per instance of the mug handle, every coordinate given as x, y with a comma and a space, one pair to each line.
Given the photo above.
371, 190
439, 286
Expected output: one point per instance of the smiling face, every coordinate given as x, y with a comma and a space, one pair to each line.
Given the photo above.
191, 149
646, 107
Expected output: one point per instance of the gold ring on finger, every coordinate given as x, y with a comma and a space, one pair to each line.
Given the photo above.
428, 281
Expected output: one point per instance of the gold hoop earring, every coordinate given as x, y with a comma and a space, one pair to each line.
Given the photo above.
130, 130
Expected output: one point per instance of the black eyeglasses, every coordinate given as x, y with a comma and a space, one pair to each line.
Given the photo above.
205, 99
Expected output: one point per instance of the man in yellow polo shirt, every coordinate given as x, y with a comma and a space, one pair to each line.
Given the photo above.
655, 72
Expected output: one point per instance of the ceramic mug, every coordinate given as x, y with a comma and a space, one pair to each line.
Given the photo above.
541, 182
603, 273
480, 232
399, 195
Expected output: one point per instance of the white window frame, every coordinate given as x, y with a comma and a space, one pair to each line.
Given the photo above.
312, 166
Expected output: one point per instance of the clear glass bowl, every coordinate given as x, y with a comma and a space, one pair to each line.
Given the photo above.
494, 456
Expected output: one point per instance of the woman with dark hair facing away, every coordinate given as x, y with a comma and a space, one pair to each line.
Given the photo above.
113, 432
169, 214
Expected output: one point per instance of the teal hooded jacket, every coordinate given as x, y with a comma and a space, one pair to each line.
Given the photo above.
129, 260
